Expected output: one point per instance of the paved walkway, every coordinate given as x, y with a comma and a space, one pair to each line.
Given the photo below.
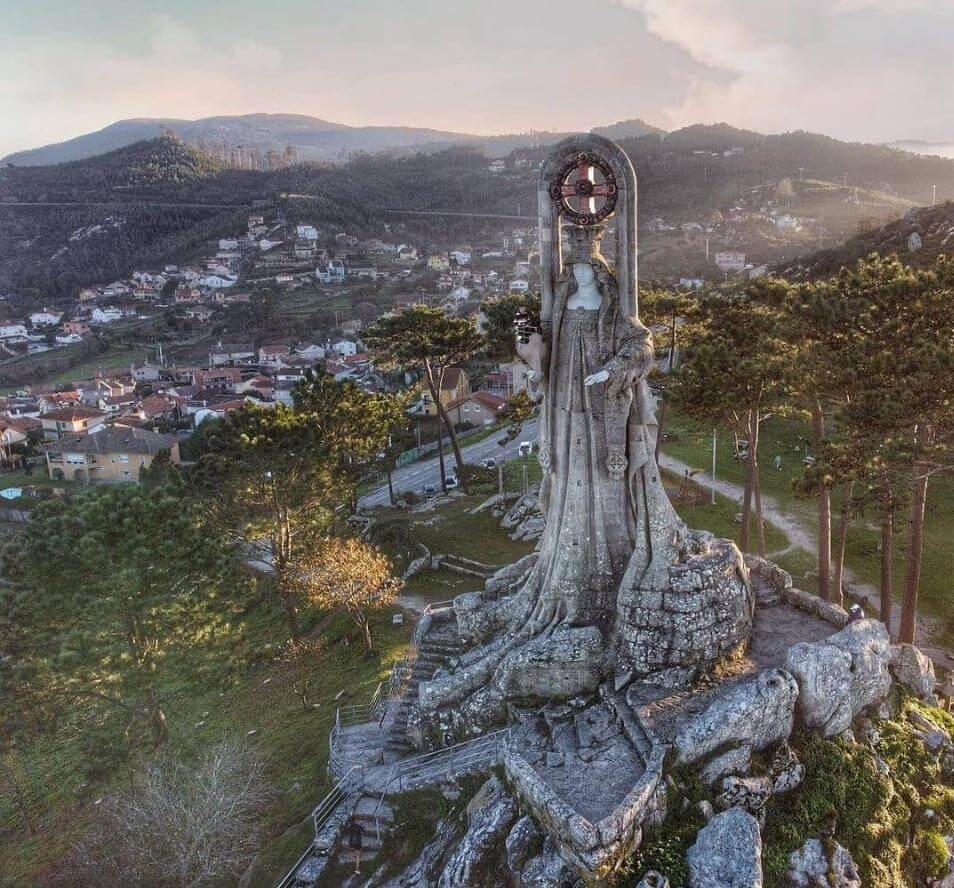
801, 537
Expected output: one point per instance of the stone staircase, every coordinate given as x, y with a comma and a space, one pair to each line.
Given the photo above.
376, 819
438, 648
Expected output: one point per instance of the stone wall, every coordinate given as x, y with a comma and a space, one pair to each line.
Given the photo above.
704, 615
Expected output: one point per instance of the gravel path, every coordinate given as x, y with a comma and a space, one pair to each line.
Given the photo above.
800, 536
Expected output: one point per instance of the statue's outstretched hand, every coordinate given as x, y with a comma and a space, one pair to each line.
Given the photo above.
599, 376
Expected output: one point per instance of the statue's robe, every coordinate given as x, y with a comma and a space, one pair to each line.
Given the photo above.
609, 520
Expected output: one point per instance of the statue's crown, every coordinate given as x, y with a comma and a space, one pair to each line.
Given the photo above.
582, 242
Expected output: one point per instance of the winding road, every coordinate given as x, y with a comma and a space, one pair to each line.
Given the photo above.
416, 475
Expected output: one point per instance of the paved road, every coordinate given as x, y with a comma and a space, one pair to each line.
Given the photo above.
416, 475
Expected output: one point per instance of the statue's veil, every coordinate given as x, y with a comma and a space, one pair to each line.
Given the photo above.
551, 250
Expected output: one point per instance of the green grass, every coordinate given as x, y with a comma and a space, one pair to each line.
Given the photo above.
39, 478
691, 442
453, 530
254, 703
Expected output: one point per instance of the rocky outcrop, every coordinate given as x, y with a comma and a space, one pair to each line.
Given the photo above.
756, 713
915, 671
727, 853
548, 870
812, 866
735, 761
704, 615
524, 842
841, 676
490, 814
524, 519
652, 879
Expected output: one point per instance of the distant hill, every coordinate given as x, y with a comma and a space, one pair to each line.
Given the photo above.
314, 139
918, 238
165, 199
627, 129
935, 149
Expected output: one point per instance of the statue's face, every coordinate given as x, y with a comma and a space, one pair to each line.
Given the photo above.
584, 274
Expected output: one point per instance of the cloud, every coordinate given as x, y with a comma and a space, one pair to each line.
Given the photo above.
864, 69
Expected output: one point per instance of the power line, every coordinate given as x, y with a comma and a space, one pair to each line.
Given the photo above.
120, 204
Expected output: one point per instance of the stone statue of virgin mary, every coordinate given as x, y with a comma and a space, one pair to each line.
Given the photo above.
579, 612
608, 518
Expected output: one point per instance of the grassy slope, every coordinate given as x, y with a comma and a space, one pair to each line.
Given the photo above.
259, 700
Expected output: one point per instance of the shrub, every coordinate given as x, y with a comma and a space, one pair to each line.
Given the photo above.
928, 856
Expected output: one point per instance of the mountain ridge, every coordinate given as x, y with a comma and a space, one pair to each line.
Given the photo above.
314, 138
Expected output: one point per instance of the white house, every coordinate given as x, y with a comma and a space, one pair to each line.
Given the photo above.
117, 288
519, 286
729, 260
228, 243
310, 351
217, 281
458, 294
105, 315
345, 348
68, 338
45, 318
265, 244
12, 331
306, 232
332, 272
461, 257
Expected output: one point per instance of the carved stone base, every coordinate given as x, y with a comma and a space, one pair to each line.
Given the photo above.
704, 616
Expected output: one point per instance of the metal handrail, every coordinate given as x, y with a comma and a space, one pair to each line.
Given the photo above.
402, 671
320, 815
465, 753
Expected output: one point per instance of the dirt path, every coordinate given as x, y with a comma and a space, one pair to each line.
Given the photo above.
800, 536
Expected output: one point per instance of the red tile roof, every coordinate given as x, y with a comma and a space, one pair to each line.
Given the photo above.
72, 414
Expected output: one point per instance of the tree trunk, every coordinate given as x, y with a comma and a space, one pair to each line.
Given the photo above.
440, 457
365, 628
157, 719
915, 548
749, 490
282, 556
434, 389
756, 489
887, 558
390, 487
844, 520
445, 419
824, 510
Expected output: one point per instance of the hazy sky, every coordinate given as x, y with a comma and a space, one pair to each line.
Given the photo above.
872, 70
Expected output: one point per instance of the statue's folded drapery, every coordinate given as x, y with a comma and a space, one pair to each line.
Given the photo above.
596, 446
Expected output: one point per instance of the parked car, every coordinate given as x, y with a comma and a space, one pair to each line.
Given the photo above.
451, 482
430, 490
489, 462
525, 448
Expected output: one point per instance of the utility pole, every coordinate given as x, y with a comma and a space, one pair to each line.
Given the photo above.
707, 248
934, 197
713, 466
846, 180
801, 174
